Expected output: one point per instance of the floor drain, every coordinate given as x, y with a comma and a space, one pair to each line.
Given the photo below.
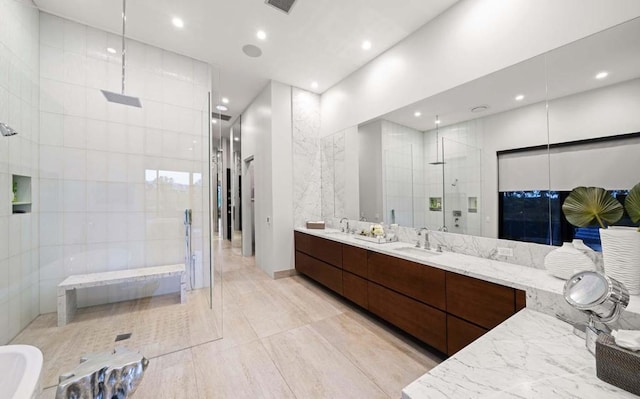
122, 337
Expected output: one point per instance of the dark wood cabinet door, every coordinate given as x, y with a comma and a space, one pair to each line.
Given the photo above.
480, 302
424, 322
325, 274
415, 280
354, 288
461, 333
326, 250
521, 300
354, 260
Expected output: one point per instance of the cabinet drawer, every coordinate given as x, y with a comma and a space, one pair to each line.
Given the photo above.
323, 273
461, 333
424, 322
326, 250
480, 302
521, 300
354, 288
354, 260
415, 280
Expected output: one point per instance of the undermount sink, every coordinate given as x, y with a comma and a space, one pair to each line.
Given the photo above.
20, 369
417, 251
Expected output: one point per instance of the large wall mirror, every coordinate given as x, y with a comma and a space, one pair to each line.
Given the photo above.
493, 157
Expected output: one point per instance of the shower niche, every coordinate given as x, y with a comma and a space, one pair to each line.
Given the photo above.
21, 194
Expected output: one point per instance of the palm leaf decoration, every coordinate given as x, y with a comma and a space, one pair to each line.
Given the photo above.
587, 206
632, 204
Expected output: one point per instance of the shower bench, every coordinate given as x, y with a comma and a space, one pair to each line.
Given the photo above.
67, 299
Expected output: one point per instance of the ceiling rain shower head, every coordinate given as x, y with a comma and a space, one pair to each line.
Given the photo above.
121, 98
7, 130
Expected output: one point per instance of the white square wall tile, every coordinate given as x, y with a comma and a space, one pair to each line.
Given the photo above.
97, 227
75, 259
97, 257
75, 196
117, 167
117, 197
96, 106
74, 100
75, 132
51, 30
51, 262
51, 63
51, 129
75, 68
75, 39
51, 195
75, 228
135, 140
97, 136
51, 228
97, 196
117, 227
136, 227
97, 166
117, 137
75, 164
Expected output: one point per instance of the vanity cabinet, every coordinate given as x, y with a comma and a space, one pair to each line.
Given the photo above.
319, 259
443, 309
415, 280
424, 322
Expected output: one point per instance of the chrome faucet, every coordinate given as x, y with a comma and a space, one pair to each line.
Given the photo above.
427, 244
343, 229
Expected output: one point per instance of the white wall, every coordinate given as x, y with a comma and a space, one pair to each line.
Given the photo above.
19, 100
470, 40
116, 179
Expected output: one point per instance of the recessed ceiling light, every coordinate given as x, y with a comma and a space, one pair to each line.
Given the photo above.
417, 114
366, 45
520, 97
221, 107
225, 100
214, 121
602, 75
111, 50
437, 121
177, 22
314, 85
262, 35
236, 138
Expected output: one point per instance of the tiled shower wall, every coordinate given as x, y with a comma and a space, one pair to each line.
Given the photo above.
19, 302
115, 180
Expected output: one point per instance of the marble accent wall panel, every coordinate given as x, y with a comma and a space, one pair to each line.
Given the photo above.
328, 177
307, 159
340, 183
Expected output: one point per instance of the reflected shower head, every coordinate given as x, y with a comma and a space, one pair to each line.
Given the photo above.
437, 163
122, 99
6, 130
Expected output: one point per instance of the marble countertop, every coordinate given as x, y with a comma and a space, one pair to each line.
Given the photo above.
531, 355
539, 285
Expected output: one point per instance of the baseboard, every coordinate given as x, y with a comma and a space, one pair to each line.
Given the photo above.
284, 273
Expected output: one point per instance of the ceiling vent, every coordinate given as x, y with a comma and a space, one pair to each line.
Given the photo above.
224, 117
282, 5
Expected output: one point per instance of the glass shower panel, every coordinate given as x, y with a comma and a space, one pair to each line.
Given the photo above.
462, 185
398, 185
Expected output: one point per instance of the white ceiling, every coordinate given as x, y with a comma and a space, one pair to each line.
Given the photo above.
319, 40
567, 70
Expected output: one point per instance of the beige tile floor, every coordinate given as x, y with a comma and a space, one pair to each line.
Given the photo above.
286, 338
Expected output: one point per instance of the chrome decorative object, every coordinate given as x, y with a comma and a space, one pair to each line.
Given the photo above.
601, 297
7, 130
104, 375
